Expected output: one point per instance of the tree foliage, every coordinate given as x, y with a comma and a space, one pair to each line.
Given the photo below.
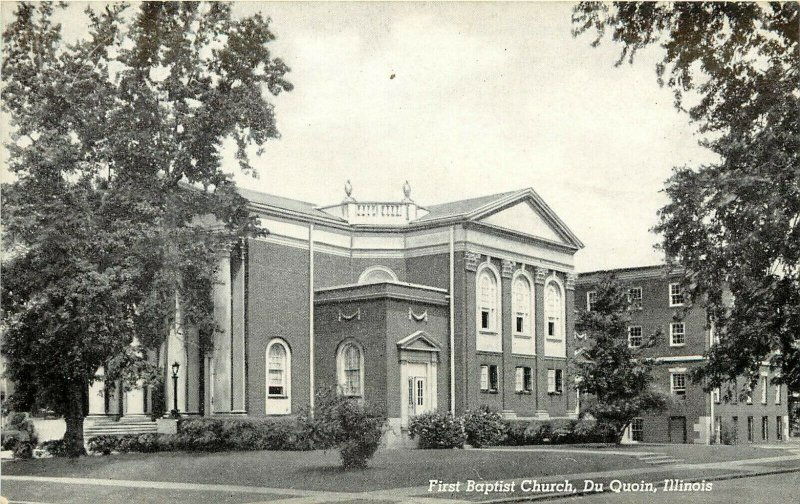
618, 378
119, 205
734, 224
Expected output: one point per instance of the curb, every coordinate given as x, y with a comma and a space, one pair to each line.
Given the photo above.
721, 477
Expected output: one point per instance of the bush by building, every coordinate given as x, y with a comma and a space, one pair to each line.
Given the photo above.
437, 430
484, 427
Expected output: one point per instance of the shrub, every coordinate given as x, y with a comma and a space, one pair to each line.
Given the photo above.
103, 444
437, 430
23, 450
515, 433
538, 432
484, 427
354, 429
10, 439
54, 448
562, 431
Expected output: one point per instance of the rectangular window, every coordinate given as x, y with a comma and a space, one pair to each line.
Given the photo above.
675, 294
717, 429
551, 328
520, 324
634, 336
778, 393
554, 381
677, 334
635, 297
522, 379
489, 378
735, 429
716, 395
484, 319
765, 428
750, 429
679, 384
420, 392
764, 386
637, 429
779, 428
591, 297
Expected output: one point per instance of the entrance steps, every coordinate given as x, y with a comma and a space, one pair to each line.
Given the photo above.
658, 459
108, 426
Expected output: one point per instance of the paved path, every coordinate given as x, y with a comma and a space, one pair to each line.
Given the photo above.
69, 490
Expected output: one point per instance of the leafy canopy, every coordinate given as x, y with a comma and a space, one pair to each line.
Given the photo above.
119, 205
735, 224
618, 378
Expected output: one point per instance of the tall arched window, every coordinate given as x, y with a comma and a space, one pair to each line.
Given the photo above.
554, 319
350, 363
521, 310
487, 309
279, 368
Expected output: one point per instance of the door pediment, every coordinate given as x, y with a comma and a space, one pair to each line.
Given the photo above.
419, 341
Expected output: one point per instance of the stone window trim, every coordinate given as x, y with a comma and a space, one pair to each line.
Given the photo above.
635, 298
678, 381
527, 312
488, 310
280, 363
635, 338
554, 313
591, 296
373, 274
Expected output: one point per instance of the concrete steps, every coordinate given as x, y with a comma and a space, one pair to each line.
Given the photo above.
104, 426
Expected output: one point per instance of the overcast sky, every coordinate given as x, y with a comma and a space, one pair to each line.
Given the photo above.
485, 98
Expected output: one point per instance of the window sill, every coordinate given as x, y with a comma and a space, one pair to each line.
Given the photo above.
277, 397
680, 305
555, 393
488, 332
522, 336
489, 391
523, 392
677, 345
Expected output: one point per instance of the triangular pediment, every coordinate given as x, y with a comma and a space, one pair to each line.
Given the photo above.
420, 341
524, 217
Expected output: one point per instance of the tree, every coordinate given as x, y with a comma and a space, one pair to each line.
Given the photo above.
120, 206
734, 225
618, 378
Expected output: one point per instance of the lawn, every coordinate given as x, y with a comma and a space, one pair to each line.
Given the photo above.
321, 471
690, 453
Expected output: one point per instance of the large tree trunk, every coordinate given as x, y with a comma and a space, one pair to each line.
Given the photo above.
73, 437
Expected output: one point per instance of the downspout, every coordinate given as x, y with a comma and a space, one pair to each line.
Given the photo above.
452, 324
311, 316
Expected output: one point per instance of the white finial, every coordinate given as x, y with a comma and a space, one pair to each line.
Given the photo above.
348, 191
407, 191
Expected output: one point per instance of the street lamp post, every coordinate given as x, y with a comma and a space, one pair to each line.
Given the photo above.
175, 368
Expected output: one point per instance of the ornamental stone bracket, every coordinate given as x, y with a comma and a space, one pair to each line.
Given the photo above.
571, 279
471, 260
541, 275
508, 268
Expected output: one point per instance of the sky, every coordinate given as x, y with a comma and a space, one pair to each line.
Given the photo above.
469, 99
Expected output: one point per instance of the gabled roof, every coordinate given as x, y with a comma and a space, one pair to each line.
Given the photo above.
477, 208
461, 207
292, 205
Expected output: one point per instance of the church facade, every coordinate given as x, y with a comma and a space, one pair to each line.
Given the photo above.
410, 308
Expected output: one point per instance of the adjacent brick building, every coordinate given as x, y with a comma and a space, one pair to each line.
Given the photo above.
692, 416
411, 308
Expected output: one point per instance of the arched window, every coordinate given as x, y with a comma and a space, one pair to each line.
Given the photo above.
554, 309
377, 274
279, 368
521, 313
554, 319
521, 292
351, 370
488, 309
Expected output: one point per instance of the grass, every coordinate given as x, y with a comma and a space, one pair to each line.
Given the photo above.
321, 470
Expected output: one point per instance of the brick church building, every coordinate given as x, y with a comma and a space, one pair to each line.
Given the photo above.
412, 308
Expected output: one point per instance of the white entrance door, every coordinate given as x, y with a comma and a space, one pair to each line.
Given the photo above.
418, 401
